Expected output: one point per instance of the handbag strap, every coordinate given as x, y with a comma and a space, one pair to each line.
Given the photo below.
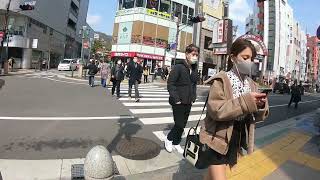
204, 107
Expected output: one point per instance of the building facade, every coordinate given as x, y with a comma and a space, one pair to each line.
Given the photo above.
145, 28
49, 32
274, 22
313, 46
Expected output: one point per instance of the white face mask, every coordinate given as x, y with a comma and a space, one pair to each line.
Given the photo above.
194, 59
244, 67
119, 62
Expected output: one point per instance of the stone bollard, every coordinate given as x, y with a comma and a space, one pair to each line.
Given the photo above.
98, 164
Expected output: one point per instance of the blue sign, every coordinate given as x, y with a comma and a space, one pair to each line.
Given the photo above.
318, 32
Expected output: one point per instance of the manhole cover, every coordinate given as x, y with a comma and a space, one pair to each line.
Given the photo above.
137, 148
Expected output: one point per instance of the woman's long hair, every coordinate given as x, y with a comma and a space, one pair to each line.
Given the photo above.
237, 47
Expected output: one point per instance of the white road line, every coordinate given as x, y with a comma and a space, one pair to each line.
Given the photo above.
68, 82
148, 95
142, 89
147, 92
167, 120
146, 99
155, 104
66, 118
303, 102
162, 135
160, 110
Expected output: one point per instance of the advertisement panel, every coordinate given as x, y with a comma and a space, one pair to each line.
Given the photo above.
124, 34
209, 22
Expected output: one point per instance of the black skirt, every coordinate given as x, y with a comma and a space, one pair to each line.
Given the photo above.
237, 141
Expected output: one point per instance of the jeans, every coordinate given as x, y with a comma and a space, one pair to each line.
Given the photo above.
116, 84
91, 81
103, 82
136, 88
180, 115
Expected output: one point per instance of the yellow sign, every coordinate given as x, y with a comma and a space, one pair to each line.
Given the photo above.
162, 15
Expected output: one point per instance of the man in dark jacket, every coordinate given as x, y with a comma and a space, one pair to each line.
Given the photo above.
117, 75
135, 71
93, 70
295, 94
182, 87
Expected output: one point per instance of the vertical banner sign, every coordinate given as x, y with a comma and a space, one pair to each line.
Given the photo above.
226, 30
220, 31
172, 36
124, 35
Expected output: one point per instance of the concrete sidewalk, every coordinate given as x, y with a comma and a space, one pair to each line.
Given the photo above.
286, 150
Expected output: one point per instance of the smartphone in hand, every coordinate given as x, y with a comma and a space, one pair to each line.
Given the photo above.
265, 91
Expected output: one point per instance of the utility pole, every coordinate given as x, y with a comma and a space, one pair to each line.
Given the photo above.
5, 31
177, 20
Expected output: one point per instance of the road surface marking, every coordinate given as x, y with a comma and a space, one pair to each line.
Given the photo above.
66, 118
145, 92
146, 99
155, 104
148, 95
160, 110
167, 120
162, 135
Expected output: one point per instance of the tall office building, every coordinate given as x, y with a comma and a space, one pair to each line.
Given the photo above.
51, 28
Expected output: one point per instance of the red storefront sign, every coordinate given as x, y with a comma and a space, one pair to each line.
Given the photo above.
140, 55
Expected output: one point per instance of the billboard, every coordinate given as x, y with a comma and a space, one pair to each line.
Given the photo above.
124, 34
217, 36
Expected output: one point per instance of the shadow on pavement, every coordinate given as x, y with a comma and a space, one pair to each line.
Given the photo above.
2, 83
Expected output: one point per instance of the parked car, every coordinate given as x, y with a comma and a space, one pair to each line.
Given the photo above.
67, 65
281, 88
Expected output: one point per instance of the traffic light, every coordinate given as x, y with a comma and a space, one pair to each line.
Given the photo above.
26, 7
197, 19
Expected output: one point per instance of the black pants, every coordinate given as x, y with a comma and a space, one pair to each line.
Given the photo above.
291, 100
91, 80
116, 84
145, 78
180, 115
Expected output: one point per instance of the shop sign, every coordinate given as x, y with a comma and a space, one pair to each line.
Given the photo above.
162, 15
218, 32
214, 4
123, 54
150, 56
220, 51
209, 22
258, 40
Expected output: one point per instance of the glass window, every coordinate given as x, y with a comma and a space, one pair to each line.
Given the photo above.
128, 4
120, 4
185, 9
177, 9
153, 4
140, 3
165, 6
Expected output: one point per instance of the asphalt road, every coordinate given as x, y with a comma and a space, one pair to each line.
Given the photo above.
105, 119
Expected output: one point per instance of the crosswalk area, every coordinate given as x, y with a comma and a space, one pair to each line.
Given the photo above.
154, 110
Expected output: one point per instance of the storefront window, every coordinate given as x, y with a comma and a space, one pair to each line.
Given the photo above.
128, 4
153, 4
140, 3
207, 42
165, 6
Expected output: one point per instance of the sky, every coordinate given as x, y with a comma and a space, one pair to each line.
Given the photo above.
101, 14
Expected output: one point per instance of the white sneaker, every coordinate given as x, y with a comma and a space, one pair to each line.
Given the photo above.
168, 145
178, 148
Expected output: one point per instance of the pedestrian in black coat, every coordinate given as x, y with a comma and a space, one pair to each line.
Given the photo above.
182, 87
295, 94
135, 71
92, 71
117, 75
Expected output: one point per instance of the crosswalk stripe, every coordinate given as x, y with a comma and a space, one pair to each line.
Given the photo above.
166, 120
145, 99
162, 135
147, 92
160, 110
154, 104
148, 95
142, 87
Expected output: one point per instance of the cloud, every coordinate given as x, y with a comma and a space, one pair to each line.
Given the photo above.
94, 20
239, 10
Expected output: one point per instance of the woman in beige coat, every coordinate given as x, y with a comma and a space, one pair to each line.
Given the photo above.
234, 106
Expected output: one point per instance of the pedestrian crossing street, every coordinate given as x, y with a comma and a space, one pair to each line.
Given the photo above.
154, 110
